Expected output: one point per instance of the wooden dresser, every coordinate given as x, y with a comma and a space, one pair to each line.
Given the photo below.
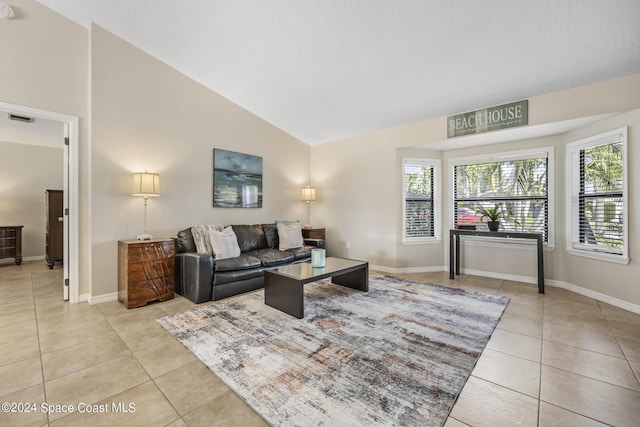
145, 271
11, 242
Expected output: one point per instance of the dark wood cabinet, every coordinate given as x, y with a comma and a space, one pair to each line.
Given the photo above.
54, 204
145, 271
11, 242
313, 233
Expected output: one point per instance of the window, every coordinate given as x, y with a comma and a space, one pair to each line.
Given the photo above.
421, 188
597, 212
517, 183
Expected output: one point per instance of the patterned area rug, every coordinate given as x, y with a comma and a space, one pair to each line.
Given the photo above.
396, 355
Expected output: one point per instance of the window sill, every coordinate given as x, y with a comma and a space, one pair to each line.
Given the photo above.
426, 241
617, 259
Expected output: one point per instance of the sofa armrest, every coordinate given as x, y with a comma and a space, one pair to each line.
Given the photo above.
194, 276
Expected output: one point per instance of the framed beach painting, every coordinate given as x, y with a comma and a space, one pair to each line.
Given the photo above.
237, 180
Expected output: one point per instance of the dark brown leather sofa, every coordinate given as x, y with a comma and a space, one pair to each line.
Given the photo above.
201, 278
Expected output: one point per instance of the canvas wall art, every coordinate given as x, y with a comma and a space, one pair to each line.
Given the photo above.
237, 180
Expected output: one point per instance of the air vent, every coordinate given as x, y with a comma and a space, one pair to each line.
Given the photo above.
20, 118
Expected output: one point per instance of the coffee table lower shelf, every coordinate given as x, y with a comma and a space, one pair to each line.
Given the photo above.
284, 286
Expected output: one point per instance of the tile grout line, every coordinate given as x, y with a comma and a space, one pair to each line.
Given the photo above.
151, 379
626, 356
541, 359
35, 314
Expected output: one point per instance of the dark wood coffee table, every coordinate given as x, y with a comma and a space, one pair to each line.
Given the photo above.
284, 286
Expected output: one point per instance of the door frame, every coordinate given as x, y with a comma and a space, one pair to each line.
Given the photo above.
71, 125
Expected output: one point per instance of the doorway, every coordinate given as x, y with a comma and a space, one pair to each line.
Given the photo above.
69, 142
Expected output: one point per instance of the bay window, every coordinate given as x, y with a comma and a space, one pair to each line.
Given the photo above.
517, 183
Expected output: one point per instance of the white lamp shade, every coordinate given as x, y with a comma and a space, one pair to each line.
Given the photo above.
146, 184
309, 194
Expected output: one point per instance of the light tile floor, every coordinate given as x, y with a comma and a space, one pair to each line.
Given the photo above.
559, 359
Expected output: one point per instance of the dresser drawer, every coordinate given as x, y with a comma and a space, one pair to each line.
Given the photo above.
7, 232
157, 289
7, 242
7, 252
151, 270
140, 253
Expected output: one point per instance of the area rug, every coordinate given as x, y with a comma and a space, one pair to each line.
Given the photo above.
397, 355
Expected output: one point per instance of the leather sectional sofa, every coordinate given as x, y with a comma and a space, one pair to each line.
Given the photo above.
201, 278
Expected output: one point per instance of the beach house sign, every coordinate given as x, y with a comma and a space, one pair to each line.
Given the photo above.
488, 119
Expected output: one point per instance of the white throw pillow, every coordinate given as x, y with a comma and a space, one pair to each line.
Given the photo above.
224, 243
289, 234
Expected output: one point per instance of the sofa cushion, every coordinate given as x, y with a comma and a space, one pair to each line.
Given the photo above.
289, 234
271, 233
242, 262
272, 257
303, 252
250, 237
224, 244
224, 277
184, 242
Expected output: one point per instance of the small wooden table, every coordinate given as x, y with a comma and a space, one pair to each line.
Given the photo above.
454, 248
11, 242
284, 286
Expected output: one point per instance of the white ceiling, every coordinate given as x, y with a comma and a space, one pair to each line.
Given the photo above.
322, 70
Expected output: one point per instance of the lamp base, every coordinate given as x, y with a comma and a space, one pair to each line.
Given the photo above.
145, 236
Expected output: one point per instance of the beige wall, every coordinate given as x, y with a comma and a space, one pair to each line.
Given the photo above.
45, 66
26, 171
370, 213
147, 116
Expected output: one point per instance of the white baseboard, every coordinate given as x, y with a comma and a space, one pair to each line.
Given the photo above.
515, 278
407, 270
595, 295
501, 276
103, 298
625, 305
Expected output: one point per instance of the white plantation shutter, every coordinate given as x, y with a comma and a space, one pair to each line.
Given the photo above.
597, 168
420, 191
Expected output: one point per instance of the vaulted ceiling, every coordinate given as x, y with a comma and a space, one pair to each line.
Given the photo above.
323, 70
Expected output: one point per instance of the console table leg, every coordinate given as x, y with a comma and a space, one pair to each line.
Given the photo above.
540, 266
451, 256
457, 256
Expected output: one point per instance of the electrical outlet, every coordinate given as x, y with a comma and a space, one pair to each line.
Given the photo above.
347, 244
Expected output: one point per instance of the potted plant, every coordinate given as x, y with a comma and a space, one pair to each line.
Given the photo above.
493, 215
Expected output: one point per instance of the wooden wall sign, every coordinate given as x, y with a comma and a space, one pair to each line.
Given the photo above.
488, 119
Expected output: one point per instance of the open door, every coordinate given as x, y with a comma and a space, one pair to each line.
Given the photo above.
70, 218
